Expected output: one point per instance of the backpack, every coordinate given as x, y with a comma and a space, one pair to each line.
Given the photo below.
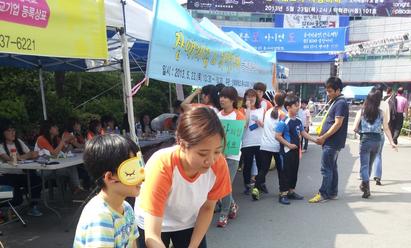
392, 104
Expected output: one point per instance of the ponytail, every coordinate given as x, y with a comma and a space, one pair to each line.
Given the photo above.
274, 113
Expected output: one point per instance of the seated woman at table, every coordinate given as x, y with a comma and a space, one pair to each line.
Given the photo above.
73, 130
49, 140
94, 128
16, 178
145, 122
108, 124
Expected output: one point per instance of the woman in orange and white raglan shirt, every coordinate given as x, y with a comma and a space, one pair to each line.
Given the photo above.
260, 88
209, 98
183, 184
228, 102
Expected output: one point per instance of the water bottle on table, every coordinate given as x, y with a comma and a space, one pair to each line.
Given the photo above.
13, 156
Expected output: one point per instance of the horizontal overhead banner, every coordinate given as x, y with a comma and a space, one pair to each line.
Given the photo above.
57, 28
293, 39
311, 21
322, 7
187, 52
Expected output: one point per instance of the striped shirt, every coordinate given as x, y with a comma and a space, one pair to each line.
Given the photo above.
102, 226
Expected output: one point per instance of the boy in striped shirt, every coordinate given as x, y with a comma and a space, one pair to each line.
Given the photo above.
108, 220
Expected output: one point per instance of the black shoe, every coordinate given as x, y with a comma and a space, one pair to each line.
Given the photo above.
264, 189
294, 196
378, 182
284, 200
365, 187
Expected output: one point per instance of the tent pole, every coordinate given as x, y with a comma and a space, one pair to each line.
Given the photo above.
169, 98
124, 90
43, 98
127, 76
127, 86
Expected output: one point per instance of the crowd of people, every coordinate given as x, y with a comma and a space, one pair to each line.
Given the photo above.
181, 187
184, 184
49, 143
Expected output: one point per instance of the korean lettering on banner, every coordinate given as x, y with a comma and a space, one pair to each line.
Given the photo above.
187, 52
28, 12
293, 39
317, 7
310, 21
234, 133
225, 61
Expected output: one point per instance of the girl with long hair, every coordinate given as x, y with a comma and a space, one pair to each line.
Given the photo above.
209, 98
368, 123
270, 147
17, 179
228, 102
253, 132
49, 140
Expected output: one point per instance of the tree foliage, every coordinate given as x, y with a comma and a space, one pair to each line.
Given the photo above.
20, 97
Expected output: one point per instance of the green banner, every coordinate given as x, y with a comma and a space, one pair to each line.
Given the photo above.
234, 134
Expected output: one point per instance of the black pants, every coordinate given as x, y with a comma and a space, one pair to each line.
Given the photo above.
248, 154
18, 181
289, 172
180, 239
397, 126
304, 141
266, 158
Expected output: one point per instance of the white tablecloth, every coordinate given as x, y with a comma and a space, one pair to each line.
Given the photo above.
77, 159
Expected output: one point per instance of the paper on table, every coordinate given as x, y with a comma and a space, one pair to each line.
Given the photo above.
26, 161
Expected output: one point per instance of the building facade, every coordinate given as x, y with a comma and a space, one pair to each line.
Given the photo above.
388, 65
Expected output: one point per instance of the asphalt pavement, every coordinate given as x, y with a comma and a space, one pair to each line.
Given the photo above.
383, 220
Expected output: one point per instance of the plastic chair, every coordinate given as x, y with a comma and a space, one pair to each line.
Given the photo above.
6, 195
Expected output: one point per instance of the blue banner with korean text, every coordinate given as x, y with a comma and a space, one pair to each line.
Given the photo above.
317, 7
183, 51
293, 39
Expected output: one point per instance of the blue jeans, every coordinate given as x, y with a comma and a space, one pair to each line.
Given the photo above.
377, 166
226, 201
368, 151
329, 186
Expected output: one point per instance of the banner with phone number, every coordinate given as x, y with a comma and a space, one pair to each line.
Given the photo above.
56, 28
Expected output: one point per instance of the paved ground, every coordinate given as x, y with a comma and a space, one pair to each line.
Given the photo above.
384, 220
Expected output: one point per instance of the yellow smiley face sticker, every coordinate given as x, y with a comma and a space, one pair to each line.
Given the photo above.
131, 171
